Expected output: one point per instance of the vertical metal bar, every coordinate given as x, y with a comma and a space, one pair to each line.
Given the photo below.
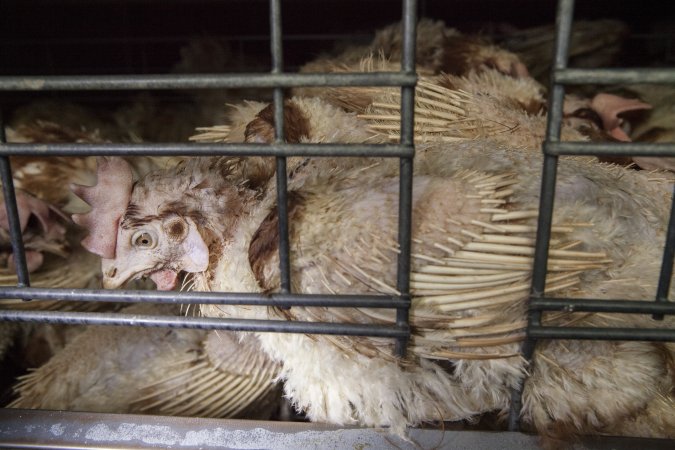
406, 168
667, 263
564, 16
282, 188
276, 36
13, 214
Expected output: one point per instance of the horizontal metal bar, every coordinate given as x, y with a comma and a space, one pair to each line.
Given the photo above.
18, 41
202, 81
204, 323
204, 298
614, 76
608, 306
605, 334
609, 148
201, 149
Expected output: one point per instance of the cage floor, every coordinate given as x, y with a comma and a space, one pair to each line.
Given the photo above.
74, 430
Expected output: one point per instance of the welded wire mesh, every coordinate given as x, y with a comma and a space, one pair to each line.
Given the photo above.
552, 149
278, 80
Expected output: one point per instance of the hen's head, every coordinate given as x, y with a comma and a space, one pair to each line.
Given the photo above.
160, 247
148, 228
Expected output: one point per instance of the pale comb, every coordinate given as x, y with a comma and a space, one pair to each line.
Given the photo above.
108, 199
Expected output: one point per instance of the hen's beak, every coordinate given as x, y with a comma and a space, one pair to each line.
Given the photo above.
113, 277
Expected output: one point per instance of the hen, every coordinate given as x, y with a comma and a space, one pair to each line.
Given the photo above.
439, 49
474, 216
593, 43
53, 254
656, 126
43, 182
97, 369
42, 187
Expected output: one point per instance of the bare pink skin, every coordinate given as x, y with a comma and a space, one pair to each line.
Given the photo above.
34, 261
164, 279
519, 70
27, 206
109, 199
609, 107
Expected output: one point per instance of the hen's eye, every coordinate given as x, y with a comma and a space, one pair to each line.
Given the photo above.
144, 239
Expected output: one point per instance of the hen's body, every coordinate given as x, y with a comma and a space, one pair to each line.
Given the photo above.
473, 223
356, 253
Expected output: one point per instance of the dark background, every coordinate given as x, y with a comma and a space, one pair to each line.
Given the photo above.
52, 37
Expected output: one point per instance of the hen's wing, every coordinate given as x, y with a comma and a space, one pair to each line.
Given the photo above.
153, 371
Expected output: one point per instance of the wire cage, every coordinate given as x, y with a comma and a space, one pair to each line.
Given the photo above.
278, 79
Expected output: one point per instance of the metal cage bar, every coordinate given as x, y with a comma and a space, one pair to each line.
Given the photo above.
251, 325
202, 81
613, 76
666, 274
13, 214
406, 171
549, 171
592, 305
281, 173
607, 148
204, 149
202, 297
552, 148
